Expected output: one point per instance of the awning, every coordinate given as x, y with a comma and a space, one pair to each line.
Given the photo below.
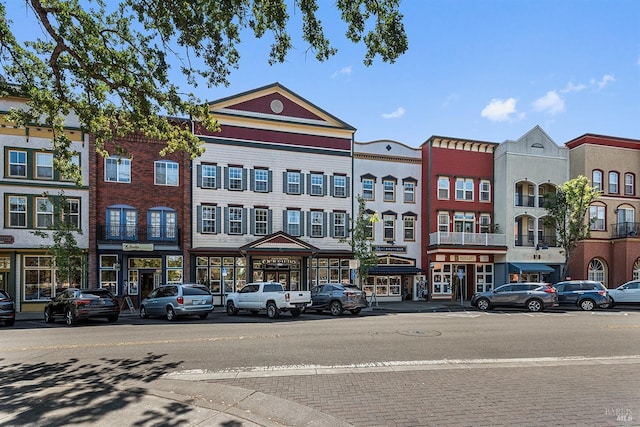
529, 267
388, 269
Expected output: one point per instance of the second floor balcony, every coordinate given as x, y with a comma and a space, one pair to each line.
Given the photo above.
625, 229
138, 234
467, 239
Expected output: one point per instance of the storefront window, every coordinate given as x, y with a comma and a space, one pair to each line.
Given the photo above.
38, 278
174, 269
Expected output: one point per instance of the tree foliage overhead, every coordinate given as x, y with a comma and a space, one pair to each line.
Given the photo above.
567, 209
109, 61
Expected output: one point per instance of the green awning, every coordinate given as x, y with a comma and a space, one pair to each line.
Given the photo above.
529, 267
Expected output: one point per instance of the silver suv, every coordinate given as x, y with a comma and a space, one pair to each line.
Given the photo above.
172, 301
533, 296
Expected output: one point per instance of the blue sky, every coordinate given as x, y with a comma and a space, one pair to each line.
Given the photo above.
486, 70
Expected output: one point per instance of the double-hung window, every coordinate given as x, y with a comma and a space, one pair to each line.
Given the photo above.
443, 188
464, 189
209, 174
235, 178
44, 212
261, 221
293, 184
339, 224
389, 189
293, 222
629, 184
71, 214
443, 222
389, 226
596, 217
485, 191
18, 163
317, 224
44, 165
613, 182
235, 220
17, 211
117, 169
339, 186
208, 219
409, 192
596, 180
317, 184
166, 173
261, 180
409, 226
368, 189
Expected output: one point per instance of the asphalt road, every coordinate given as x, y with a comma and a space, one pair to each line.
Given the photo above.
561, 367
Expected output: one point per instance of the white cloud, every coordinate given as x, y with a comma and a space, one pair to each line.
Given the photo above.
394, 115
344, 71
500, 110
551, 103
573, 87
604, 81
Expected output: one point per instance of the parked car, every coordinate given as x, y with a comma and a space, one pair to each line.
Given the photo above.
533, 296
586, 294
336, 298
7, 308
267, 296
74, 304
173, 301
628, 293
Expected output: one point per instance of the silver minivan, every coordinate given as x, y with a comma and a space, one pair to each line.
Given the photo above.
173, 301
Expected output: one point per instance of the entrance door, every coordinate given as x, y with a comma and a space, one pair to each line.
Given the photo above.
4, 280
146, 284
281, 277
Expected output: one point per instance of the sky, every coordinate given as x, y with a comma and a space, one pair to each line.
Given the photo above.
485, 70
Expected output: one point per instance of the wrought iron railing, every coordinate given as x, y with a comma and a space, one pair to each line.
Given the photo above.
625, 229
134, 233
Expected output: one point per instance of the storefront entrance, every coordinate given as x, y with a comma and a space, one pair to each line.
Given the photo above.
281, 277
146, 284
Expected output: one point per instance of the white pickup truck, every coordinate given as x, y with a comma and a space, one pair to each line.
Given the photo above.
269, 296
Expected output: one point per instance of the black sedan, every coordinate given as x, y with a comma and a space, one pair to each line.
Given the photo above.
7, 308
337, 298
77, 304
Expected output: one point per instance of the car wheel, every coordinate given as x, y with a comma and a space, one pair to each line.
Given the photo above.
336, 308
171, 315
10, 322
112, 319
70, 317
204, 316
48, 318
296, 312
587, 304
231, 309
535, 305
143, 312
483, 304
356, 311
612, 303
272, 310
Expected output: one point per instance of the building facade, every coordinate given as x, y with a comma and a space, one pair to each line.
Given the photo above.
272, 194
388, 176
525, 171
612, 253
37, 198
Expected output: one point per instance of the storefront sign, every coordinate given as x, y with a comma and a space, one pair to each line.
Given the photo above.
6, 240
464, 258
146, 247
389, 248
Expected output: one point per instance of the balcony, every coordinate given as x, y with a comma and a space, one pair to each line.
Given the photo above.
467, 239
625, 229
133, 233
544, 242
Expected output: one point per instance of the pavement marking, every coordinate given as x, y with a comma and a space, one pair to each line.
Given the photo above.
395, 366
132, 343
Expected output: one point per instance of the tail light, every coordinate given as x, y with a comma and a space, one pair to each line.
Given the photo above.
350, 294
550, 290
180, 300
286, 296
603, 293
81, 302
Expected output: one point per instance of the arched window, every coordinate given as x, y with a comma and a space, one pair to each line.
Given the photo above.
636, 270
596, 271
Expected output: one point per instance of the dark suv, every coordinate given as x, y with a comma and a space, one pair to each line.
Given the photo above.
586, 294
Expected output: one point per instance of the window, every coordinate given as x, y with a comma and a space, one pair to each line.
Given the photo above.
18, 163
367, 189
339, 186
162, 224
261, 221
317, 224
235, 220
596, 180
409, 224
117, 169
629, 184
389, 190
235, 181
613, 182
75, 161
485, 191
596, 217
293, 182
17, 211
208, 219
596, 271
443, 188
339, 224
443, 222
317, 184
261, 180
409, 192
464, 189
389, 226
166, 173
293, 222
122, 223
209, 176
71, 214
44, 212
485, 223
463, 222
368, 228
44, 165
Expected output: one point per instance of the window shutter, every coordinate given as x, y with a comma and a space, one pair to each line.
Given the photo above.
252, 180
244, 220
199, 175
331, 185
226, 180
285, 219
302, 185
244, 179
252, 222
347, 190
331, 223
324, 224
324, 185
346, 225
284, 182
269, 222
218, 177
199, 219
309, 224
302, 223
309, 184
218, 219
226, 220
270, 183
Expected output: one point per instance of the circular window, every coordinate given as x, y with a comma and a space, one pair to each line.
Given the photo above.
277, 106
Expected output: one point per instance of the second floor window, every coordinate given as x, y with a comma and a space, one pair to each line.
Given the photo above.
209, 217
485, 191
443, 188
122, 223
44, 212
71, 215
596, 180
464, 189
629, 184
261, 180
613, 182
339, 186
443, 222
317, 184
367, 189
162, 224
235, 175
339, 224
485, 223
44, 165
17, 211
293, 222
166, 173
117, 169
209, 176
18, 163
596, 216
409, 192
409, 225
317, 224
389, 226
235, 220
261, 221
389, 190
293, 182
464, 222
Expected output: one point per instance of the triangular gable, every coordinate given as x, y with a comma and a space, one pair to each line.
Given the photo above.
279, 241
537, 138
275, 102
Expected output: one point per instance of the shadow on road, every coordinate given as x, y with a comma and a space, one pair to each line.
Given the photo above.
80, 393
